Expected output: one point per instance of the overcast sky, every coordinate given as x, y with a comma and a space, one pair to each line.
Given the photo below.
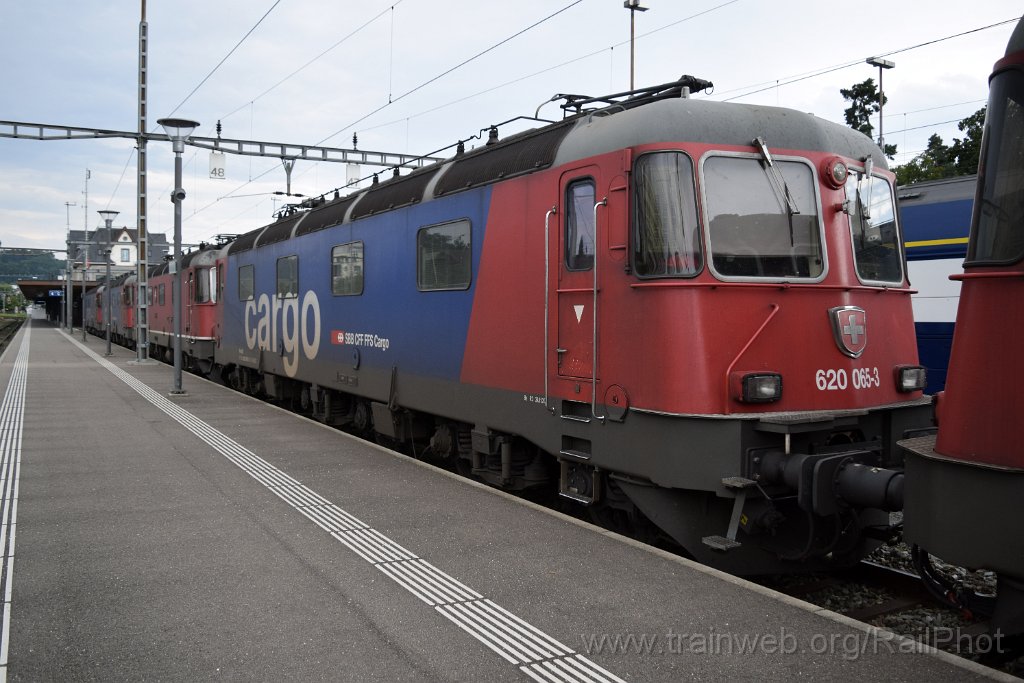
75, 64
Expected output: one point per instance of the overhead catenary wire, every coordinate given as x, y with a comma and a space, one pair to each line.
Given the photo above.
774, 84
315, 59
225, 58
131, 155
392, 100
838, 67
419, 87
451, 70
521, 78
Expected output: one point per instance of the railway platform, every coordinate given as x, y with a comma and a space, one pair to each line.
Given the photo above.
213, 536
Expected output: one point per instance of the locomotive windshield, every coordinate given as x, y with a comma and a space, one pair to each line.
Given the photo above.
666, 238
997, 231
876, 245
754, 229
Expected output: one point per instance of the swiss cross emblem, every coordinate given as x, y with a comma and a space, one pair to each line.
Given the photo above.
850, 329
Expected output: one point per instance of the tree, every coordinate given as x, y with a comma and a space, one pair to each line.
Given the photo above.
939, 160
15, 265
11, 299
968, 150
865, 100
936, 161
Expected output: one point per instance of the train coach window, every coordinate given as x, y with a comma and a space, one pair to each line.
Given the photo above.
347, 269
579, 225
444, 257
288, 277
246, 283
666, 240
876, 244
762, 224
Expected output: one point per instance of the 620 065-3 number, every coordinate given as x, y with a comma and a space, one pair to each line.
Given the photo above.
839, 379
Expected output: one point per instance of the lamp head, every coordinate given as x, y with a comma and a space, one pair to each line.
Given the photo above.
108, 216
178, 131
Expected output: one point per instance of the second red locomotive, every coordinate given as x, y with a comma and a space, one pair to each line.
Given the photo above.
965, 485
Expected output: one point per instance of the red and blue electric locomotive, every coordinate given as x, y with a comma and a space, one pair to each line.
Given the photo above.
686, 316
679, 313
965, 485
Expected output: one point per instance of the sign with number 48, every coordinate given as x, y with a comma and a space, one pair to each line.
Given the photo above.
217, 166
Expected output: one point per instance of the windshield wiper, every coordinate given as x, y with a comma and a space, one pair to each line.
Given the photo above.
865, 197
778, 183
775, 177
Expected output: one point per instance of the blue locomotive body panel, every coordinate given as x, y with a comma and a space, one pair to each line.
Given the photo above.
392, 323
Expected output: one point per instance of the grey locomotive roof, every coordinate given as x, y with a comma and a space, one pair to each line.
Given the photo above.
722, 123
671, 120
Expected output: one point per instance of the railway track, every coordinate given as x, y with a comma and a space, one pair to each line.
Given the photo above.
897, 600
8, 328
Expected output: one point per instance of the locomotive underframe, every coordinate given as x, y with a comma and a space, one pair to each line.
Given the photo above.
618, 470
945, 498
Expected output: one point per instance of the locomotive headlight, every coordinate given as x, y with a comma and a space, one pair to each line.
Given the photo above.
911, 378
835, 172
762, 387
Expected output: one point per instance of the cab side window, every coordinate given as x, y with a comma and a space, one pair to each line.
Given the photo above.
579, 225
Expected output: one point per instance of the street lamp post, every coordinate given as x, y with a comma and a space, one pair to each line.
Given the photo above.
633, 6
82, 305
85, 247
882, 64
67, 273
178, 131
108, 217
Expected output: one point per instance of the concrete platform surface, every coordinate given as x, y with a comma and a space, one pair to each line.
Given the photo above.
213, 536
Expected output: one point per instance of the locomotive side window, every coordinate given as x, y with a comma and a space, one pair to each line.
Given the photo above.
444, 258
246, 283
666, 238
579, 225
762, 223
206, 285
876, 243
202, 287
997, 236
160, 296
347, 269
288, 277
